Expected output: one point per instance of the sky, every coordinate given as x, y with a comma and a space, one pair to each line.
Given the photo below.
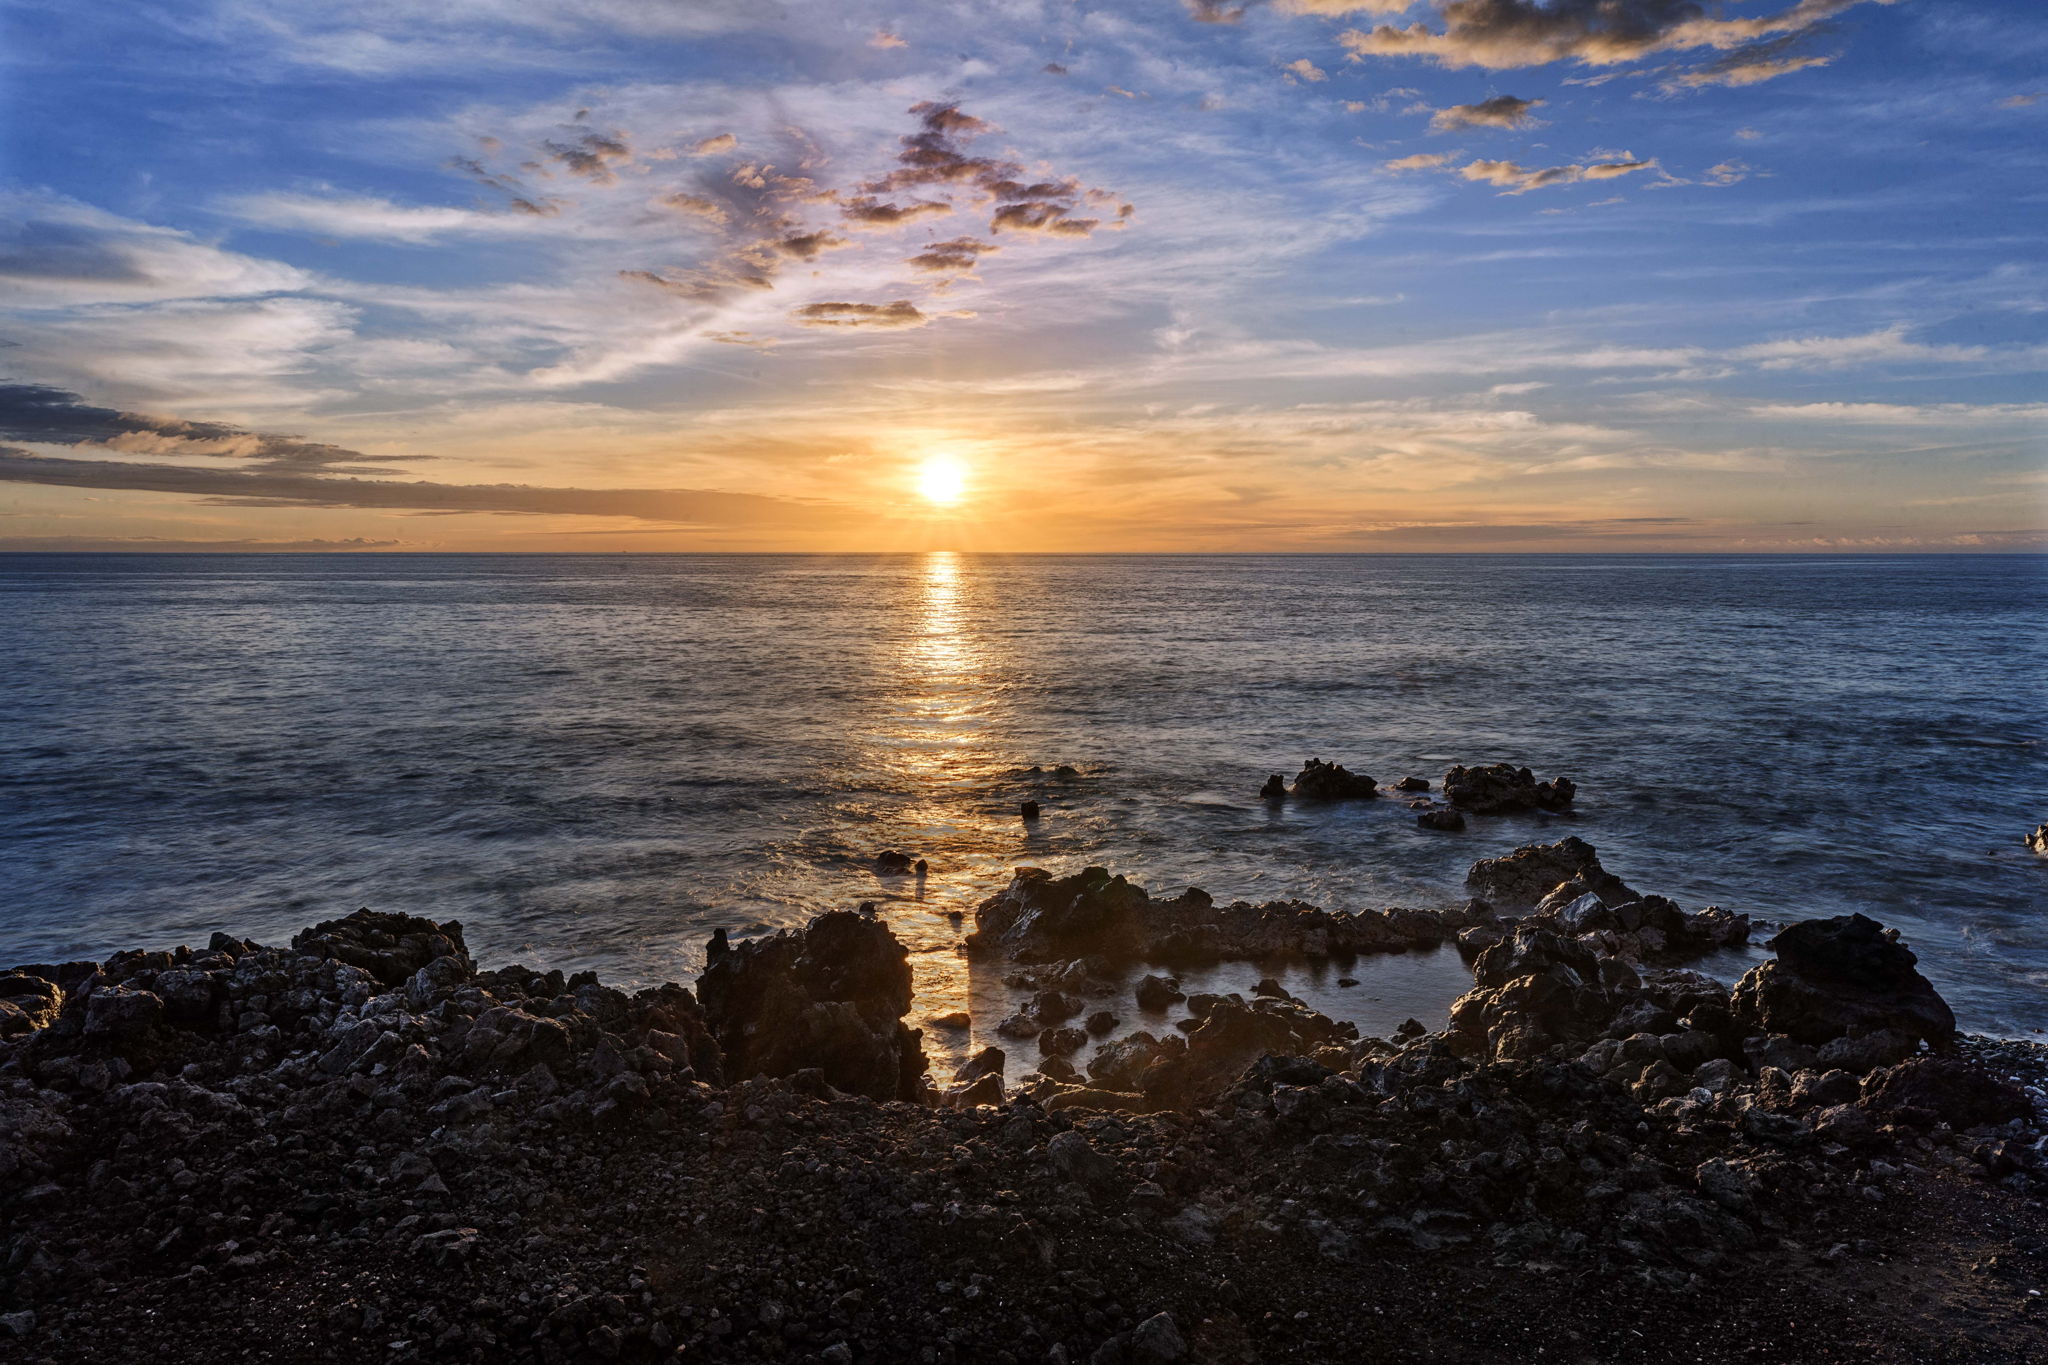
1024, 275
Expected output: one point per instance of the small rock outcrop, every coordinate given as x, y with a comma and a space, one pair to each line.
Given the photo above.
389, 947
1320, 781
1840, 977
1502, 789
829, 996
2038, 840
1520, 880
1043, 918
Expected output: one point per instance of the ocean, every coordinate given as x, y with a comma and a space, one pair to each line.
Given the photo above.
593, 761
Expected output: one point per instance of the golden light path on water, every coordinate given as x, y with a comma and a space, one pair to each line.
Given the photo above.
950, 747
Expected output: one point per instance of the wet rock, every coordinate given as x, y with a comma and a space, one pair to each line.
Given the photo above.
1502, 788
954, 1019
891, 863
1101, 1022
1320, 781
1843, 976
2038, 840
1029, 810
831, 995
1231, 1035
390, 947
1441, 819
1520, 880
1275, 788
1043, 918
1062, 1042
1412, 784
979, 1081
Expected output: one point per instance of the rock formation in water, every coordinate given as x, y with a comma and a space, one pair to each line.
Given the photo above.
1502, 788
1320, 781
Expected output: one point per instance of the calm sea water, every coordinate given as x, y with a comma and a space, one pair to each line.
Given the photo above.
592, 761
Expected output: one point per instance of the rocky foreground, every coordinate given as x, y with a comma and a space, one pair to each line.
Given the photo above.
362, 1147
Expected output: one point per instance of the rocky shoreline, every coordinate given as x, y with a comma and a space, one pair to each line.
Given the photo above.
362, 1146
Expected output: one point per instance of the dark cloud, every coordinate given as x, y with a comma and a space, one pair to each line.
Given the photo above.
866, 211
161, 545
962, 253
937, 157
1501, 111
1217, 11
901, 313
265, 488
1751, 65
52, 416
1500, 34
1053, 69
594, 156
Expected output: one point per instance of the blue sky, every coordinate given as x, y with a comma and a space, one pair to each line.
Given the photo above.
1301, 275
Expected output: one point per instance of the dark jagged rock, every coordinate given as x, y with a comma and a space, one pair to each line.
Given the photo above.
1275, 788
1320, 781
1445, 819
1230, 1036
389, 947
1502, 788
1029, 810
891, 863
1653, 929
1158, 992
1043, 918
2038, 839
829, 996
1520, 880
1843, 976
1412, 784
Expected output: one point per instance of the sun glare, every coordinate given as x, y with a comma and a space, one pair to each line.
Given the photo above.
942, 480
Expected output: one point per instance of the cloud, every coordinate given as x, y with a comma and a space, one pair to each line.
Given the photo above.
232, 488
1518, 179
885, 39
1304, 69
1726, 173
962, 253
1751, 65
1887, 346
901, 313
936, 157
217, 350
57, 252
2032, 97
1053, 69
866, 211
1501, 34
1217, 11
697, 206
164, 545
712, 146
1333, 8
594, 156
1421, 161
364, 216
51, 416
1501, 111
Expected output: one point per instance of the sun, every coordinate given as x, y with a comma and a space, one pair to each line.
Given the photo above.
942, 480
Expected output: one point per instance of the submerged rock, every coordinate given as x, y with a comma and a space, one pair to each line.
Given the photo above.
1846, 975
1445, 819
1502, 788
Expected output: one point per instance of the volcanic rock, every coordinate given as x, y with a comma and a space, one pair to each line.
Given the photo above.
389, 947
1520, 880
831, 995
1320, 781
1502, 788
1842, 976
